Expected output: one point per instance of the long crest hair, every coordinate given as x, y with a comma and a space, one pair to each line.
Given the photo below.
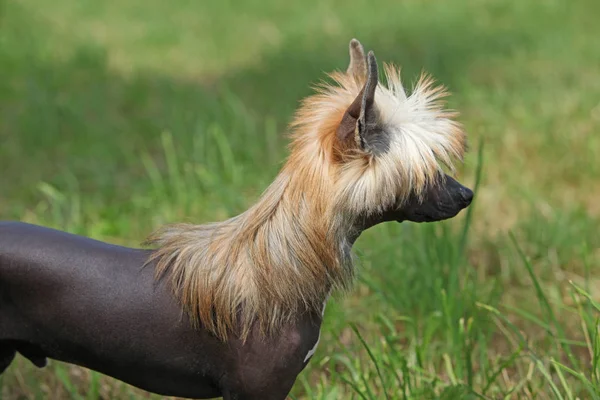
358, 148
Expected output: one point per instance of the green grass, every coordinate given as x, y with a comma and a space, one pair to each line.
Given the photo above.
119, 116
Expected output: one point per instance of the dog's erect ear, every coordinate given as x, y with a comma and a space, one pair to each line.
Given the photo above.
358, 62
359, 121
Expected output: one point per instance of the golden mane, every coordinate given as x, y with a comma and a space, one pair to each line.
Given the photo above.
286, 253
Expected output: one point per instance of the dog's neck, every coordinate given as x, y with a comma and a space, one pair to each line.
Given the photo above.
364, 222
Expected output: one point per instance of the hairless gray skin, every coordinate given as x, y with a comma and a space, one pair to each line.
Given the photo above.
93, 304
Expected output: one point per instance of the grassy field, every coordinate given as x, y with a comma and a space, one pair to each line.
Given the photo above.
119, 116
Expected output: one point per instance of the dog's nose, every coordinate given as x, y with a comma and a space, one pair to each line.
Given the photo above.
466, 194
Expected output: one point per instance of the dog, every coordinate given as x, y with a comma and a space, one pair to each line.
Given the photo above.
234, 308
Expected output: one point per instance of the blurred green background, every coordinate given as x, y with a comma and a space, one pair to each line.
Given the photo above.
119, 116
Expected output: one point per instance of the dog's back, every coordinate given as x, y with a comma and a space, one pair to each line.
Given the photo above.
79, 300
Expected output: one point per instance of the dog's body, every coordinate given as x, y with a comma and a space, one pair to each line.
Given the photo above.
93, 304
234, 308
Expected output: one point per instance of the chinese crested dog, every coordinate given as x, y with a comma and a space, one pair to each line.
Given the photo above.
234, 308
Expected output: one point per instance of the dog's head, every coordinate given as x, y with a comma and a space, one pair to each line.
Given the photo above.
392, 146
383, 149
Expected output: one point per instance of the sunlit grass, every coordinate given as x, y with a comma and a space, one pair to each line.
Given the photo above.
117, 117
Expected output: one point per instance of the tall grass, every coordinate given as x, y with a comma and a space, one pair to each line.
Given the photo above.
428, 328
117, 117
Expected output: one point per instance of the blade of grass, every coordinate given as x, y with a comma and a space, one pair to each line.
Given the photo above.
372, 357
562, 379
469, 216
503, 365
354, 387
540, 366
63, 376
558, 330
